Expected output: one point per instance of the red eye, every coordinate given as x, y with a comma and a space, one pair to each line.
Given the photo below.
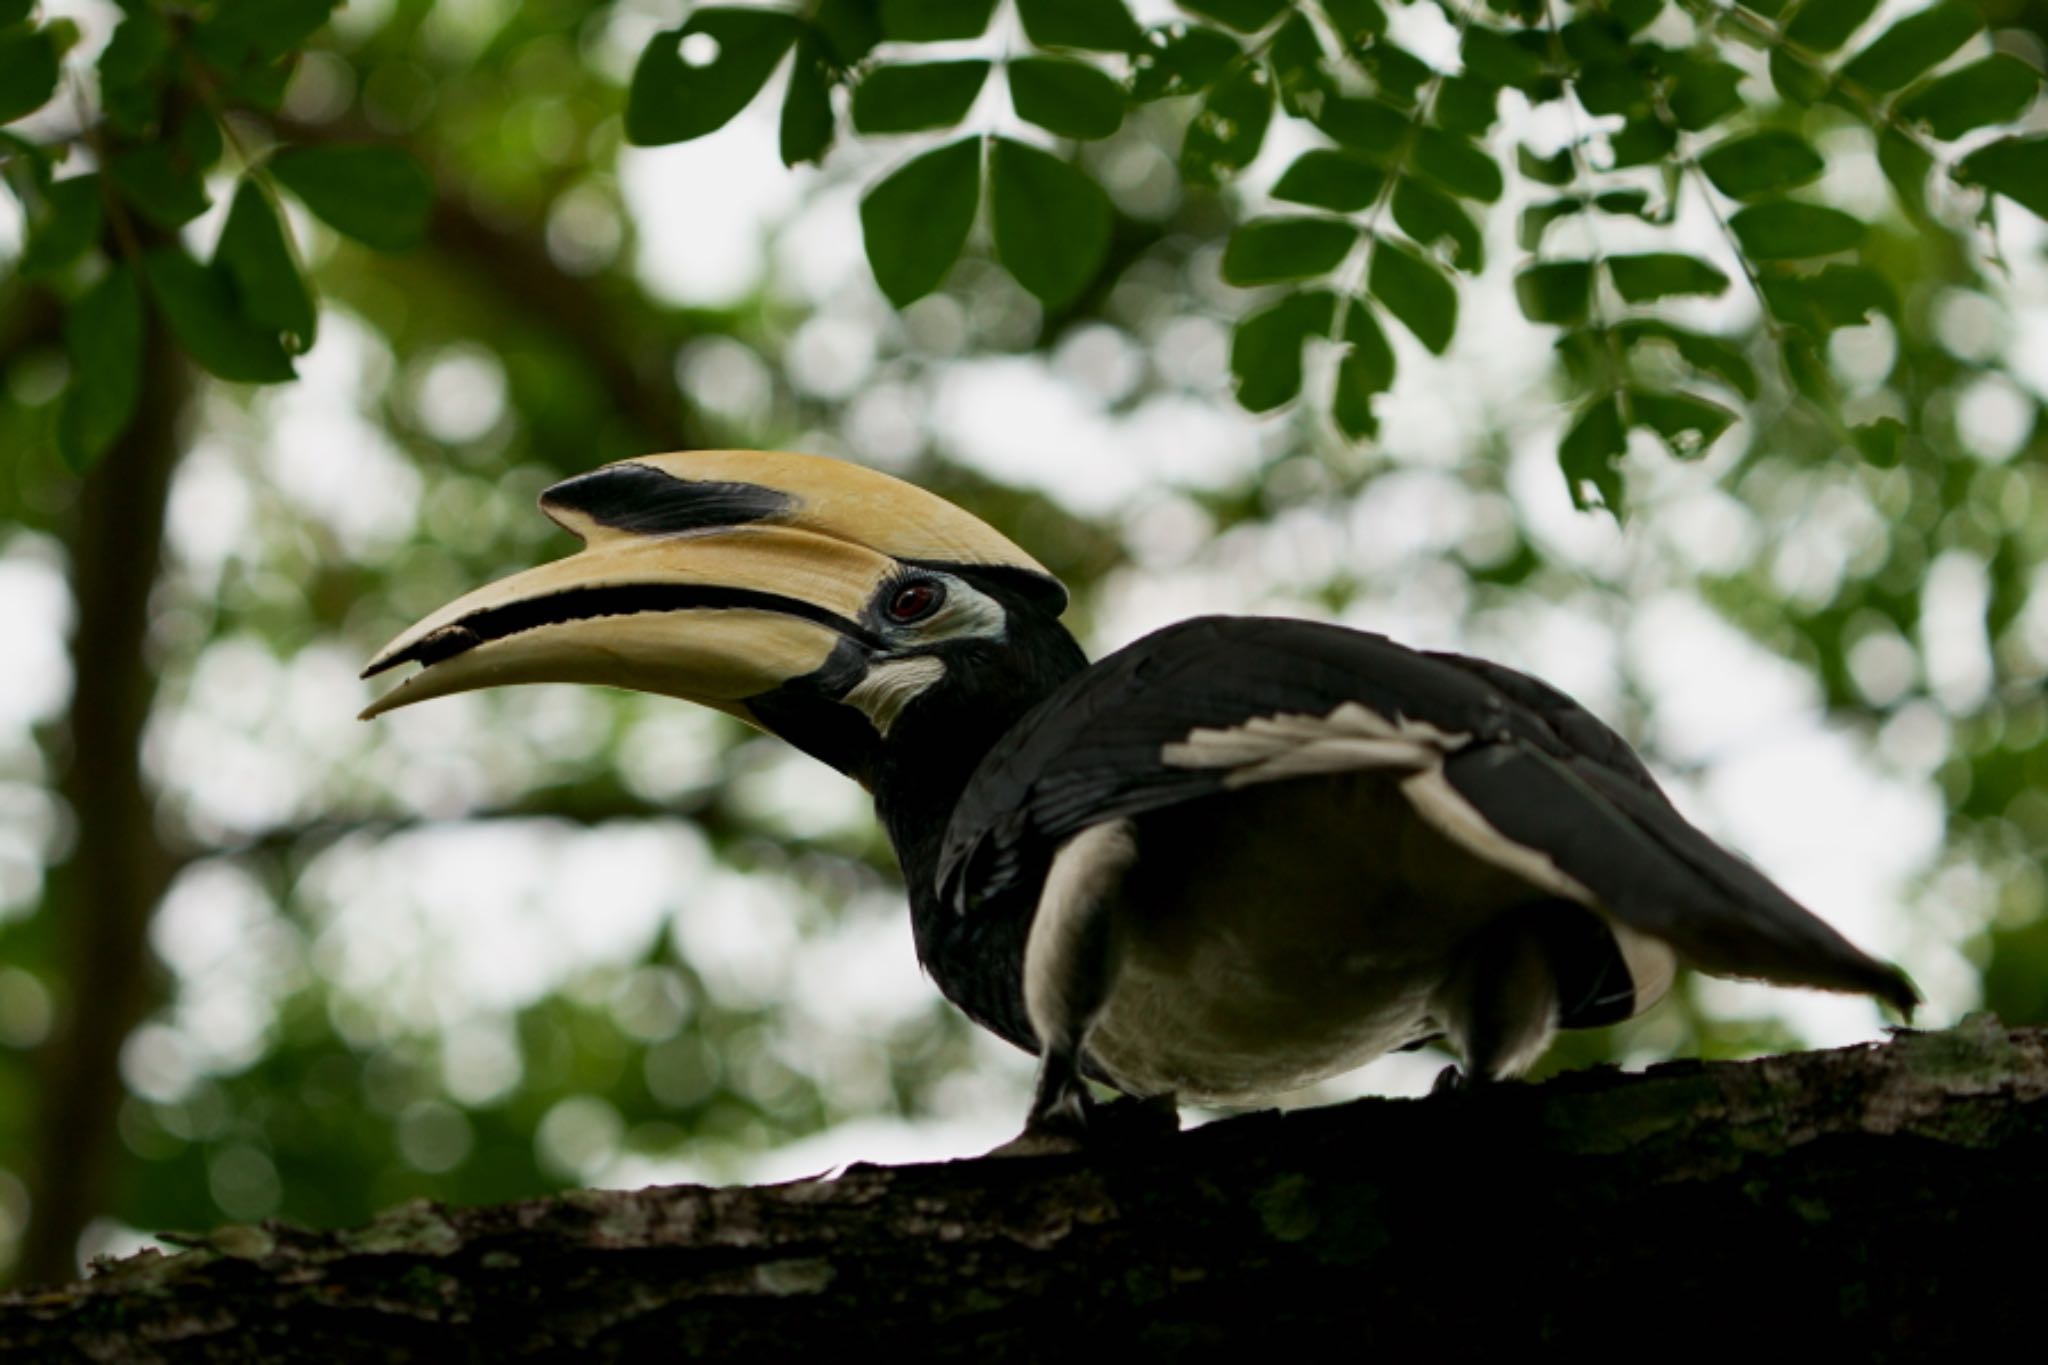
915, 601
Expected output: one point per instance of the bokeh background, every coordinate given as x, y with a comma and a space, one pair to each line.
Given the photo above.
508, 943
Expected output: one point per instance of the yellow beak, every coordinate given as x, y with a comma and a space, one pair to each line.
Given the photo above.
713, 576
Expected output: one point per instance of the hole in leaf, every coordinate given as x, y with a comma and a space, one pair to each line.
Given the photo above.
698, 49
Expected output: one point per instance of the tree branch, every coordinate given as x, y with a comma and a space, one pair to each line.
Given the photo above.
1873, 1198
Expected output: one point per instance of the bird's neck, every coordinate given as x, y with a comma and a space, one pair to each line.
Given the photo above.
976, 960
918, 783
932, 751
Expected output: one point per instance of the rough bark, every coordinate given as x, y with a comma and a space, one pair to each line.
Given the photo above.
1881, 1201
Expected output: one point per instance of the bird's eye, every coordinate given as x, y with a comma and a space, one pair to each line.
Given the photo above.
915, 601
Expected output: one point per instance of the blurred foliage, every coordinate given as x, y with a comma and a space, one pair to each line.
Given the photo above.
1401, 188
423, 209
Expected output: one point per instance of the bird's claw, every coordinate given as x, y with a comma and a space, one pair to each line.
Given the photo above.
1064, 1130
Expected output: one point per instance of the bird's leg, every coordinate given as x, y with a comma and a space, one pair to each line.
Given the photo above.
1498, 1005
1070, 964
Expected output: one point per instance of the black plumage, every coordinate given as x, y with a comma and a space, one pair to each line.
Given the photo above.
1231, 858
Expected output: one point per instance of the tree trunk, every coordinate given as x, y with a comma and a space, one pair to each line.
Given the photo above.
1884, 1201
107, 888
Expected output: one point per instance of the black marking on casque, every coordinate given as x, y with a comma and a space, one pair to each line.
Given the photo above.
649, 502
624, 599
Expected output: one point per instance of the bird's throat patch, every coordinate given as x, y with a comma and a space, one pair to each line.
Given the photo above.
892, 685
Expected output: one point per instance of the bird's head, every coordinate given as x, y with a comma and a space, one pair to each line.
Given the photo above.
827, 603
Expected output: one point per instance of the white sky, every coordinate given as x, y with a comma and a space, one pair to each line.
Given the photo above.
449, 931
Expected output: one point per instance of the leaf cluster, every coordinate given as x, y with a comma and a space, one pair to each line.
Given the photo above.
179, 94
1668, 102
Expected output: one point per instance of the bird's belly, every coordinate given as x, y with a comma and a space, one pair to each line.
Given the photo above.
1271, 937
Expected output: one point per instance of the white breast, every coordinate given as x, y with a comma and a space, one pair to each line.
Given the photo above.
1246, 969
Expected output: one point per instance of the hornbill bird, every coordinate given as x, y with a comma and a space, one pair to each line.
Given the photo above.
1226, 861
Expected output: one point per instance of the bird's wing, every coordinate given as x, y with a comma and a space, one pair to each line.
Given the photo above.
1509, 768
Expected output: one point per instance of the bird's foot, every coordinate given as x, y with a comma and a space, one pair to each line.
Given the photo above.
1450, 1081
1089, 1126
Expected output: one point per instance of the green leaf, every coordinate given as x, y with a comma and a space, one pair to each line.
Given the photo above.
807, 120
1824, 25
1227, 132
1069, 98
1635, 15
262, 30
1827, 299
132, 70
1267, 250
200, 306
1789, 230
1246, 16
1180, 60
1430, 216
2016, 167
1913, 45
1363, 125
1398, 73
909, 99
1805, 368
1687, 423
254, 253
379, 194
1708, 354
730, 53
935, 21
1751, 164
1456, 164
1626, 204
849, 29
1641, 142
1796, 78
1846, 295
1590, 455
69, 224
1879, 441
1660, 274
1537, 218
14, 11
1265, 348
1416, 292
1557, 292
103, 337
1905, 165
915, 221
1329, 179
1995, 90
1594, 37
1514, 59
1355, 22
28, 71
1093, 25
1298, 62
1465, 105
1615, 87
1555, 169
1366, 369
1051, 221
161, 183
1704, 89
